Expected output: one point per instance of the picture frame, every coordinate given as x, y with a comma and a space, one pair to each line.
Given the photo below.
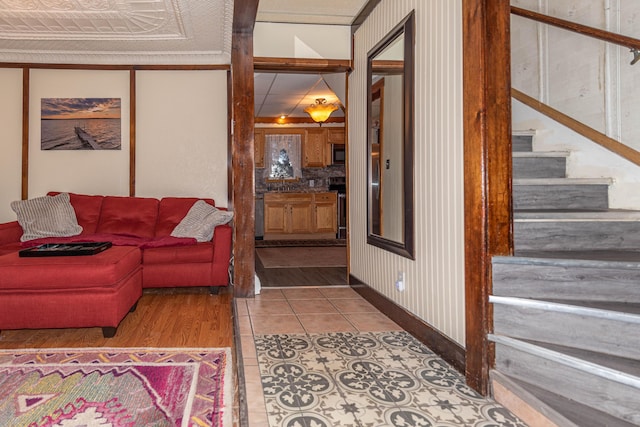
80, 124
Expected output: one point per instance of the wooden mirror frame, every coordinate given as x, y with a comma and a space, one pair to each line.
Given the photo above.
403, 248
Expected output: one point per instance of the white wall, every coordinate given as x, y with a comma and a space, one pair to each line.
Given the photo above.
586, 159
80, 171
435, 280
10, 140
181, 136
301, 40
587, 79
181, 130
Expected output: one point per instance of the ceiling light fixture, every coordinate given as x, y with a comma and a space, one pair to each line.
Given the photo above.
320, 111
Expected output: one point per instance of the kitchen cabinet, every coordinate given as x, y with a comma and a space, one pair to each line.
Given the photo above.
258, 147
336, 136
300, 215
288, 213
325, 213
314, 148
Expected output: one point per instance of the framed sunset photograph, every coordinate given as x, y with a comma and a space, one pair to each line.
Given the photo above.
80, 124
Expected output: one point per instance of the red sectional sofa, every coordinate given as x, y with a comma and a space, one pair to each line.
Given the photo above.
99, 290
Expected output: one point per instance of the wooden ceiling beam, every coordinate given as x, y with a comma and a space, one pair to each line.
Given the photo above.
301, 65
295, 120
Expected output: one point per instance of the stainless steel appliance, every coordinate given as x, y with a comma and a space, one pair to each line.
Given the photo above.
339, 185
338, 154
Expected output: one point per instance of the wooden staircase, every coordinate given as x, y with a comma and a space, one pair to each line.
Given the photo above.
567, 305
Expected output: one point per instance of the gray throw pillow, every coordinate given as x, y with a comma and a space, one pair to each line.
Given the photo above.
201, 221
47, 216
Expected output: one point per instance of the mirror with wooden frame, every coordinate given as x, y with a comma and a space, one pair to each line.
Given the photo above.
390, 111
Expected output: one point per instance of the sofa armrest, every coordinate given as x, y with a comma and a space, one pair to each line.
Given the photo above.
10, 232
222, 238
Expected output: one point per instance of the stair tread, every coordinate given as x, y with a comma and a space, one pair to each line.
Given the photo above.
605, 257
562, 181
605, 309
577, 214
534, 154
620, 307
575, 412
620, 364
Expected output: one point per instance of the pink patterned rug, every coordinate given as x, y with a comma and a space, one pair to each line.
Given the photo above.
116, 387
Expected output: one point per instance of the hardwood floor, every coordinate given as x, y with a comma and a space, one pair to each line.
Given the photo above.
182, 317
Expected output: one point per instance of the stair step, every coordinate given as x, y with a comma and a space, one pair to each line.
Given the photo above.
522, 141
606, 328
539, 165
574, 230
560, 193
590, 379
576, 234
550, 409
585, 215
563, 275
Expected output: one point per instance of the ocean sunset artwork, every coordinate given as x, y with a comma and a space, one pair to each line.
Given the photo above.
80, 124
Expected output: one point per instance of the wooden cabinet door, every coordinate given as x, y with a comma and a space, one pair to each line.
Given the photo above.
276, 214
258, 146
301, 220
325, 213
314, 148
336, 135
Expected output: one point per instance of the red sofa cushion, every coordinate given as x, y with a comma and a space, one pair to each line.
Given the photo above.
87, 209
134, 216
10, 248
200, 252
10, 232
68, 272
172, 210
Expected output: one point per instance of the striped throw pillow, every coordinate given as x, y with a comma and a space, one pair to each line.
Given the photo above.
201, 221
47, 216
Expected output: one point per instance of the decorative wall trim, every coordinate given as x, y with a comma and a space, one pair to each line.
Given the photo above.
446, 348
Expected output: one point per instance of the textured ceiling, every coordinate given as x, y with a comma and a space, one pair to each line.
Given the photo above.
124, 32
337, 12
163, 32
116, 31
290, 94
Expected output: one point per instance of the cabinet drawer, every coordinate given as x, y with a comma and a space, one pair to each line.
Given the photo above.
287, 197
325, 197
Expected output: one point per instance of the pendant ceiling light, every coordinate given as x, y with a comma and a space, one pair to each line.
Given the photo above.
320, 111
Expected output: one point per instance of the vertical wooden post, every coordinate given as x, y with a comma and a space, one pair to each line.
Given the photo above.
243, 180
132, 132
26, 72
487, 181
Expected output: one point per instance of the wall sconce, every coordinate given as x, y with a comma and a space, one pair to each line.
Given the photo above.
320, 111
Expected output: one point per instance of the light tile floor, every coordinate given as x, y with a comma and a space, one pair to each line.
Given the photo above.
326, 357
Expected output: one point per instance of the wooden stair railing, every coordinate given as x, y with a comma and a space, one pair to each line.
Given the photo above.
599, 138
603, 35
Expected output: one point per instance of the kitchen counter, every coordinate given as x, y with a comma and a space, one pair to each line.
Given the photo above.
294, 190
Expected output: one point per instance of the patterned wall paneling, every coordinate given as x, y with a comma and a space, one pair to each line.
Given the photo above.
435, 280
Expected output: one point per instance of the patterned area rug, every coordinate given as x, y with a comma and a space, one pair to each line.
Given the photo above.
386, 379
303, 257
116, 387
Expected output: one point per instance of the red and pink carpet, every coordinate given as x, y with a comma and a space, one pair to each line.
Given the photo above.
117, 387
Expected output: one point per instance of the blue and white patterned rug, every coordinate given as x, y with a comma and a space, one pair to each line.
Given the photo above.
367, 379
